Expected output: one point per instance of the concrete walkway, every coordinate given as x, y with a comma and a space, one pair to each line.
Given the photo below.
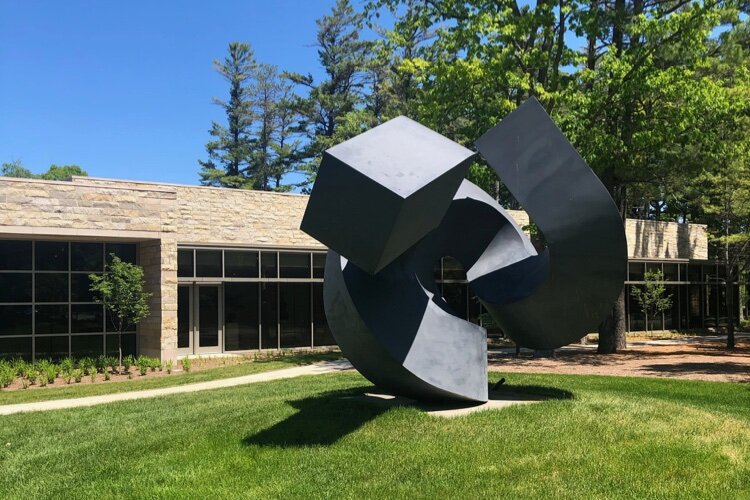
297, 371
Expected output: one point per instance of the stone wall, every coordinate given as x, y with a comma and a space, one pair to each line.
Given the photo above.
161, 216
666, 240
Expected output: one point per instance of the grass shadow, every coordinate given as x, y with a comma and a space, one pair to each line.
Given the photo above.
323, 420
320, 420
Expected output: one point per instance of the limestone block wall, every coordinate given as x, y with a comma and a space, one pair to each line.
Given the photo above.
666, 240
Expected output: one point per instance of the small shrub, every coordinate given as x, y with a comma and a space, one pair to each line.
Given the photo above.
67, 375
101, 364
127, 362
48, 371
106, 375
41, 379
24, 383
111, 361
168, 366
66, 365
93, 375
154, 364
77, 375
87, 365
187, 363
7, 374
26, 370
143, 363
19, 366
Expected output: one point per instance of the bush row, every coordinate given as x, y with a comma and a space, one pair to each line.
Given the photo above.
43, 372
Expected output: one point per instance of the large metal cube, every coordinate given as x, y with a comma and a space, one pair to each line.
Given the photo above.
380, 192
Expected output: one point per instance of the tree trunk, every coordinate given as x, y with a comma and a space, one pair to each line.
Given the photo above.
119, 350
730, 306
612, 329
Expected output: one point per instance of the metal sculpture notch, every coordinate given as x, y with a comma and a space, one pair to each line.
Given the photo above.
392, 201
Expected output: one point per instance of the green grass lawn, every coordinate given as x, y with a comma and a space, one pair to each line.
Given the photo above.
62, 391
597, 437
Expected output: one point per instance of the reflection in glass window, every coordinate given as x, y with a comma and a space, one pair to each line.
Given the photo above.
294, 265
87, 345
319, 264
51, 319
240, 264
185, 263
670, 272
240, 316
54, 348
86, 256
268, 265
51, 287
128, 344
636, 271
15, 287
183, 317
15, 347
208, 263
80, 288
51, 255
125, 251
15, 320
86, 318
15, 255
294, 315
269, 316
322, 334
452, 269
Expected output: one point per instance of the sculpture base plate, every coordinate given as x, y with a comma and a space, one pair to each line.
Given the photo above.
451, 409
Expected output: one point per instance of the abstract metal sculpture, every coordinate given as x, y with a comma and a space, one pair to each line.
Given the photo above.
392, 201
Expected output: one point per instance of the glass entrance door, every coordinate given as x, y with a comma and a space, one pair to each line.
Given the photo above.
208, 331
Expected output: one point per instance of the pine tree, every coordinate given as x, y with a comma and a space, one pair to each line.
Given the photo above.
230, 152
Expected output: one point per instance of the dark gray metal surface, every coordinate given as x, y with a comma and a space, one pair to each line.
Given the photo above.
395, 327
380, 192
586, 245
393, 203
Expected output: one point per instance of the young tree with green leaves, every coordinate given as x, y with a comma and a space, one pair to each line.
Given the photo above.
53, 173
230, 152
121, 290
652, 296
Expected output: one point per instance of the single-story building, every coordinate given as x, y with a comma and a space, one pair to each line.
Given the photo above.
230, 270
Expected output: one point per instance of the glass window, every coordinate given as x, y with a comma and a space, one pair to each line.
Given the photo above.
15, 320
208, 316
15, 287
319, 264
653, 267
15, 255
709, 273
456, 296
208, 263
51, 287
321, 334
452, 269
51, 319
240, 316
128, 344
694, 273
125, 251
86, 318
240, 264
87, 345
51, 256
268, 265
670, 272
294, 265
54, 348
80, 288
18, 347
109, 324
183, 317
636, 271
86, 257
294, 314
269, 315
185, 263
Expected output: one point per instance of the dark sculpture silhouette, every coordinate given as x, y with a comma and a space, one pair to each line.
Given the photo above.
392, 201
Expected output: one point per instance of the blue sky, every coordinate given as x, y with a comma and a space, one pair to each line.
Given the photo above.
124, 89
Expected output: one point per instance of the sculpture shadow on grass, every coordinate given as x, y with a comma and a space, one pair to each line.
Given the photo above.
323, 420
